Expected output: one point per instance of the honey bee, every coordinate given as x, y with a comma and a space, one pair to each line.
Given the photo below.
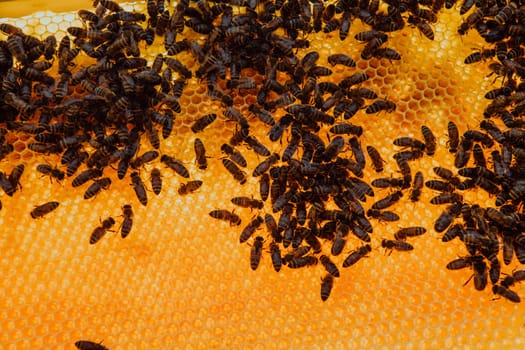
347, 128
330, 267
290, 149
85, 176
448, 197
358, 152
338, 243
139, 188
14, 178
480, 55
479, 156
237, 173
386, 52
256, 252
101, 231
357, 255
234, 154
414, 231
423, 26
438, 185
334, 148
340, 58
239, 136
471, 21
257, 146
15, 45
495, 271
463, 262
10, 29
153, 136
409, 142
264, 186
380, 105
377, 161
387, 201
327, 284
447, 174
200, 154
510, 280
226, 215
204, 121
127, 223
353, 79
156, 181
20, 105
430, 140
263, 115
312, 241
265, 165
382, 215
217, 94
190, 187
271, 227
162, 23
89, 345
385, 182
247, 202
52, 172
248, 231
453, 232
111, 5
146, 157
43, 209
96, 187
277, 130
506, 13
175, 165
506, 293
408, 155
416, 187
275, 253
360, 233
297, 262
396, 245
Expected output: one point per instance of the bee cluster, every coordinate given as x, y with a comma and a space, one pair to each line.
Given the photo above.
316, 190
485, 230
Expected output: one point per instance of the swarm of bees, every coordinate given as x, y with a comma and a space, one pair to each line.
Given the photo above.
125, 98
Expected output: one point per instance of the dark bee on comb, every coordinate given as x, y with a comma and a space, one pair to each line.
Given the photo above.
127, 223
52, 172
506, 293
357, 255
377, 161
89, 345
200, 154
44, 209
189, 187
101, 230
97, 186
396, 245
327, 283
234, 170
156, 181
256, 252
226, 215
139, 188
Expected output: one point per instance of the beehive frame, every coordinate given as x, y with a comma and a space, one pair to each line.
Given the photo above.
185, 281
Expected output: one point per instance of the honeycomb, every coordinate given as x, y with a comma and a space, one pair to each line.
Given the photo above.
181, 280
